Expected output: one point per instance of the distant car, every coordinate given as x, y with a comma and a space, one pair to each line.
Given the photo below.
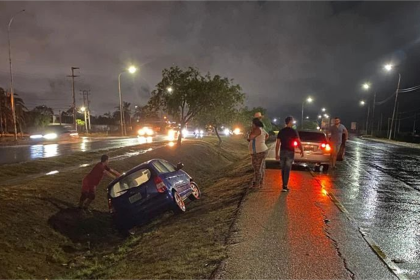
316, 148
158, 128
53, 133
147, 190
193, 132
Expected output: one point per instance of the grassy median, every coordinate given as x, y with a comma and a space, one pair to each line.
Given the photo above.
44, 236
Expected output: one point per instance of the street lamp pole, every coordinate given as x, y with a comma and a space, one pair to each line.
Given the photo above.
301, 123
131, 70
395, 106
12, 97
121, 106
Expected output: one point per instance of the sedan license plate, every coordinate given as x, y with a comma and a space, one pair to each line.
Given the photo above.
135, 197
308, 148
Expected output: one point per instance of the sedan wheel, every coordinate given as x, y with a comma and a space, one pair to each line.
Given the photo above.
195, 192
179, 203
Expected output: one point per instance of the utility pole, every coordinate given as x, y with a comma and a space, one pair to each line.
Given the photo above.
74, 96
373, 113
395, 105
395, 125
86, 104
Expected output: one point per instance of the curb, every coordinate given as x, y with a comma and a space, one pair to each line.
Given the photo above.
218, 271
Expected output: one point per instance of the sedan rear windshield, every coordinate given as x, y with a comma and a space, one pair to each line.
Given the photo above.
307, 136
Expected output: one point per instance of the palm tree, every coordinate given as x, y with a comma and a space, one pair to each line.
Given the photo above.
6, 114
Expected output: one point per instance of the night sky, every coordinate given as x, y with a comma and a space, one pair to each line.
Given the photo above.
279, 52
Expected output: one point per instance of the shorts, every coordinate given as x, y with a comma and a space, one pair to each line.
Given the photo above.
88, 191
88, 195
335, 147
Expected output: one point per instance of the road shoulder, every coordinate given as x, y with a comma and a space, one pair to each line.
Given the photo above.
298, 235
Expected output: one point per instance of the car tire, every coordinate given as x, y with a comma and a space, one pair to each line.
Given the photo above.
179, 204
325, 167
196, 193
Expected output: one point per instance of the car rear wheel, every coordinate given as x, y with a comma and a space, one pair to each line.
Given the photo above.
196, 193
179, 206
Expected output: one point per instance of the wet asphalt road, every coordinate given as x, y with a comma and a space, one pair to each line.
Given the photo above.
23, 153
379, 185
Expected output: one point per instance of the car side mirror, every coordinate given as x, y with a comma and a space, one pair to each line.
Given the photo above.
179, 166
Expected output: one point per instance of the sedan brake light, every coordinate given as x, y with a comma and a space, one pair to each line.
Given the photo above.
326, 147
160, 185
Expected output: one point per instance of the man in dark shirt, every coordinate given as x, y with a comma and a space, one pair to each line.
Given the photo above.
92, 180
288, 139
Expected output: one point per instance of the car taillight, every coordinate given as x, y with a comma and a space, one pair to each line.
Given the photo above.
160, 185
110, 207
295, 143
326, 147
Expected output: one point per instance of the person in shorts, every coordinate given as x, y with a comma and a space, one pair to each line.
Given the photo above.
338, 132
92, 180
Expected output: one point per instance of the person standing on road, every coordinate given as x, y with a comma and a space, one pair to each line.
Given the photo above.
287, 140
336, 139
92, 180
258, 150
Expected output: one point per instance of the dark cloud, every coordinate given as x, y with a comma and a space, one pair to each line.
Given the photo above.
279, 52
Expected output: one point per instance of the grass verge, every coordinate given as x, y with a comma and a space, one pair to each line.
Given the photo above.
43, 236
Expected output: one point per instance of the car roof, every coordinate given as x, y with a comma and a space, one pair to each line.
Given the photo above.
136, 168
311, 131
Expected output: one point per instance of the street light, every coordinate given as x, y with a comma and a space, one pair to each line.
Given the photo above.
366, 86
362, 102
131, 70
275, 120
170, 89
12, 97
323, 109
307, 117
388, 68
319, 116
309, 100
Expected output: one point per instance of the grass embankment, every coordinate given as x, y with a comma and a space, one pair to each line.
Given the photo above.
44, 236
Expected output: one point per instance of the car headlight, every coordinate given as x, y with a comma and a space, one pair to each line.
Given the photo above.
226, 131
37, 136
50, 136
141, 132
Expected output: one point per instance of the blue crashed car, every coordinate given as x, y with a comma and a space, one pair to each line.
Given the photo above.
147, 190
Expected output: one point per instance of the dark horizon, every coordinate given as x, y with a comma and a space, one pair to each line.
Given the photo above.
279, 52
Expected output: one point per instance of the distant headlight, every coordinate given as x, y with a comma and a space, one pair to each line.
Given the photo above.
145, 131
237, 131
196, 131
185, 132
37, 136
226, 131
201, 131
50, 136
171, 135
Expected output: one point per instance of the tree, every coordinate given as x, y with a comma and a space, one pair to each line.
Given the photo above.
6, 114
246, 115
310, 125
145, 113
40, 116
186, 98
223, 103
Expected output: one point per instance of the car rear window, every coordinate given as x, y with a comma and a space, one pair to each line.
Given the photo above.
307, 136
133, 180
